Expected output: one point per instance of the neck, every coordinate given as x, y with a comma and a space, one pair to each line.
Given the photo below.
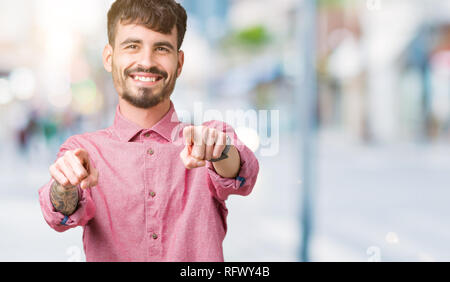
145, 118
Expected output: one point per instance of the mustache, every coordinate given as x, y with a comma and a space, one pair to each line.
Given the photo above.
152, 70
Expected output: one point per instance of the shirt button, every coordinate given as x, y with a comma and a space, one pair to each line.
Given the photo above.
153, 194
147, 135
154, 236
150, 152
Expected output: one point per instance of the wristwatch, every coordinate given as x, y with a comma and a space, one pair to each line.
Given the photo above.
225, 151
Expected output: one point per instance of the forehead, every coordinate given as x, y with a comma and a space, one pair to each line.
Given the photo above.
145, 34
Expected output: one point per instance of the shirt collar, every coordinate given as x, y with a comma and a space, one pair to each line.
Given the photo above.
126, 129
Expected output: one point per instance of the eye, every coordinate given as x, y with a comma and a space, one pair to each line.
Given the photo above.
133, 47
162, 49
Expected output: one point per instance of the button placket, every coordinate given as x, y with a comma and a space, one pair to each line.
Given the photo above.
153, 222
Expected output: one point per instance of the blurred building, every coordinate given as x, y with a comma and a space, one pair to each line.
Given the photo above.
376, 69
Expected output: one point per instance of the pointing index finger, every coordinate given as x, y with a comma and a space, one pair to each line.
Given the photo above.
82, 156
188, 133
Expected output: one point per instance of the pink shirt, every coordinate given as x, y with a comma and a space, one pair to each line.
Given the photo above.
147, 206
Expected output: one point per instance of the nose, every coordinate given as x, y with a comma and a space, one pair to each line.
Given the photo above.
146, 58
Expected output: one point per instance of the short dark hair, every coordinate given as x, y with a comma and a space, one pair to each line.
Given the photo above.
158, 15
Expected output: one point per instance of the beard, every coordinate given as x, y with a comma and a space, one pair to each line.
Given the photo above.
144, 97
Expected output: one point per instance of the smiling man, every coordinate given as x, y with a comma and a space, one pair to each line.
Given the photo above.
148, 188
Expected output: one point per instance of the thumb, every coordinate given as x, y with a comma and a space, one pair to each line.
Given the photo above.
184, 155
85, 183
90, 181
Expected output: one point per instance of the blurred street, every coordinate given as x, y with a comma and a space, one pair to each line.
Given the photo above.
393, 199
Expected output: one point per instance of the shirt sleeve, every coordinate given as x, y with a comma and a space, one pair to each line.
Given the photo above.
86, 206
243, 184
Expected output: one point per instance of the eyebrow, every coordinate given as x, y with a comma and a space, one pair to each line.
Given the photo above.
131, 40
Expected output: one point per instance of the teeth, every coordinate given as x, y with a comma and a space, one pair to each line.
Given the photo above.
145, 79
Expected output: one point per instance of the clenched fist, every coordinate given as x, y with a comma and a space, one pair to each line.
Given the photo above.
202, 144
74, 168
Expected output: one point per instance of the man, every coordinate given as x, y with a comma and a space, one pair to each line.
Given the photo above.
148, 188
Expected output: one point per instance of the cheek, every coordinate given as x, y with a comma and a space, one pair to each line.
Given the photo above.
170, 65
121, 63
117, 77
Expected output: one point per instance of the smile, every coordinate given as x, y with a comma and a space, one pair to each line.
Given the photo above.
146, 78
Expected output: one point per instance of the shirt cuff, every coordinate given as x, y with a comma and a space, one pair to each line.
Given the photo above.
243, 183
234, 183
58, 221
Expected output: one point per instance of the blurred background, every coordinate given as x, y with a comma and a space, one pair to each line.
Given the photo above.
362, 92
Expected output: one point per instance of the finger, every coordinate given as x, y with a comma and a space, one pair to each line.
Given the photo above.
67, 170
195, 163
79, 170
83, 156
58, 176
198, 149
85, 184
210, 141
200, 163
220, 145
90, 181
184, 154
189, 161
188, 133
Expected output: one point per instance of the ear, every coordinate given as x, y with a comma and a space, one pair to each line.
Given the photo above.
180, 62
107, 57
